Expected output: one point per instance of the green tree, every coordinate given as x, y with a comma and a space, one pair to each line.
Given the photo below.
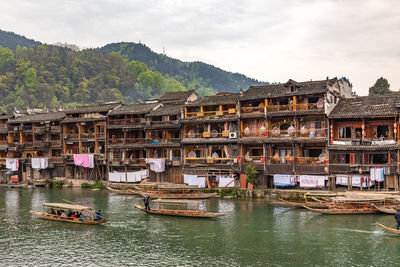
7, 59
251, 174
381, 87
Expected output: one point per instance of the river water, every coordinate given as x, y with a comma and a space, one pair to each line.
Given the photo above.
251, 233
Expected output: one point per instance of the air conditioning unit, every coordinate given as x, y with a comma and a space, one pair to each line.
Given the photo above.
232, 135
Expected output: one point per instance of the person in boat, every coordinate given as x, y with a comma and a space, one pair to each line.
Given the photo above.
146, 201
58, 212
397, 217
63, 214
52, 212
99, 216
70, 213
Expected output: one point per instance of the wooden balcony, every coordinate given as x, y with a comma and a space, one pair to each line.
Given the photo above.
226, 112
41, 129
126, 121
310, 165
55, 143
292, 107
252, 110
280, 168
55, 129
71, 136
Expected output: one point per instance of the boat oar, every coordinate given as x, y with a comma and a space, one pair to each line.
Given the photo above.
94, 213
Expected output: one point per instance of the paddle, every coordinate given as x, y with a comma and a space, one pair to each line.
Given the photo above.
94, 213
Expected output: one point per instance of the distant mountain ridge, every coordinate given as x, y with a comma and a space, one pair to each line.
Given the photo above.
190, 74
12, 40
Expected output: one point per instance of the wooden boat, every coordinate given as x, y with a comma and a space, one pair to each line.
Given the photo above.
343, 211
387, 209
162, 194
389, 229
72, 207
182, 213
120, 191
292, 203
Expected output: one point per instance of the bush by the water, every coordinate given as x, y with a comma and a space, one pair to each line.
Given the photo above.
58, 184
97, 185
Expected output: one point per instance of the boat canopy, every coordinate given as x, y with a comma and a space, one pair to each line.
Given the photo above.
177, 201
65, 206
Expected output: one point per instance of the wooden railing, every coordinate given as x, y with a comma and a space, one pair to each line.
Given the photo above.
252, 110
292, 107
126, 121
163, 140
259, 160
225, 112
310, 161
312, 133
72, 136
224, 134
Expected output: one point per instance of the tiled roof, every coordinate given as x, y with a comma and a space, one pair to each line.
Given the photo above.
176, 96
40, 117
278, 90
92, 108
134, 109
366, 106
167, 109
216, 100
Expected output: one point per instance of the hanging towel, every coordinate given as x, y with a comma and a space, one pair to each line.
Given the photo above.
84, 160
44, 163
342, 179
312, 181
12, 164
36, 163
227, 182
91, 161
156, 165
282, 180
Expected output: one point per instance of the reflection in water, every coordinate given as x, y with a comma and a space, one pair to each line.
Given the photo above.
251, 233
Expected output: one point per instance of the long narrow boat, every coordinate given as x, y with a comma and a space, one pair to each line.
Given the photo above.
63, 206
292, 203
343, 211
387, 209
191, 195
389, 229
120, 191
182, 213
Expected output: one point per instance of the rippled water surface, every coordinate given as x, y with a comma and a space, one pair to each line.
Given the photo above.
251, 233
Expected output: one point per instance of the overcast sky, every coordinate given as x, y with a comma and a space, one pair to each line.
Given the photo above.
272, 40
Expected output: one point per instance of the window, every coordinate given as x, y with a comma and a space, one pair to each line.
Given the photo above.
344, 132
379, 158
358, 132
313, 100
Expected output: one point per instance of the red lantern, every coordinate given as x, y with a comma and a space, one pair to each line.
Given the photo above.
326, 160
265, 133
164, 132
150, 133
395, 125
238, 159
363, 126
291, 159
227, 124
331, 140
263, 159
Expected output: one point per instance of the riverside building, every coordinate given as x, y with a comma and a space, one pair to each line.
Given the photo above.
313, 134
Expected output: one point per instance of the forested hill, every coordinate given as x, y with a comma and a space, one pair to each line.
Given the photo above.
193, 75
50, 76
12, 40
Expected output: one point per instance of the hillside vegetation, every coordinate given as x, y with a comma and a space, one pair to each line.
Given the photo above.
49, 76
205, 78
